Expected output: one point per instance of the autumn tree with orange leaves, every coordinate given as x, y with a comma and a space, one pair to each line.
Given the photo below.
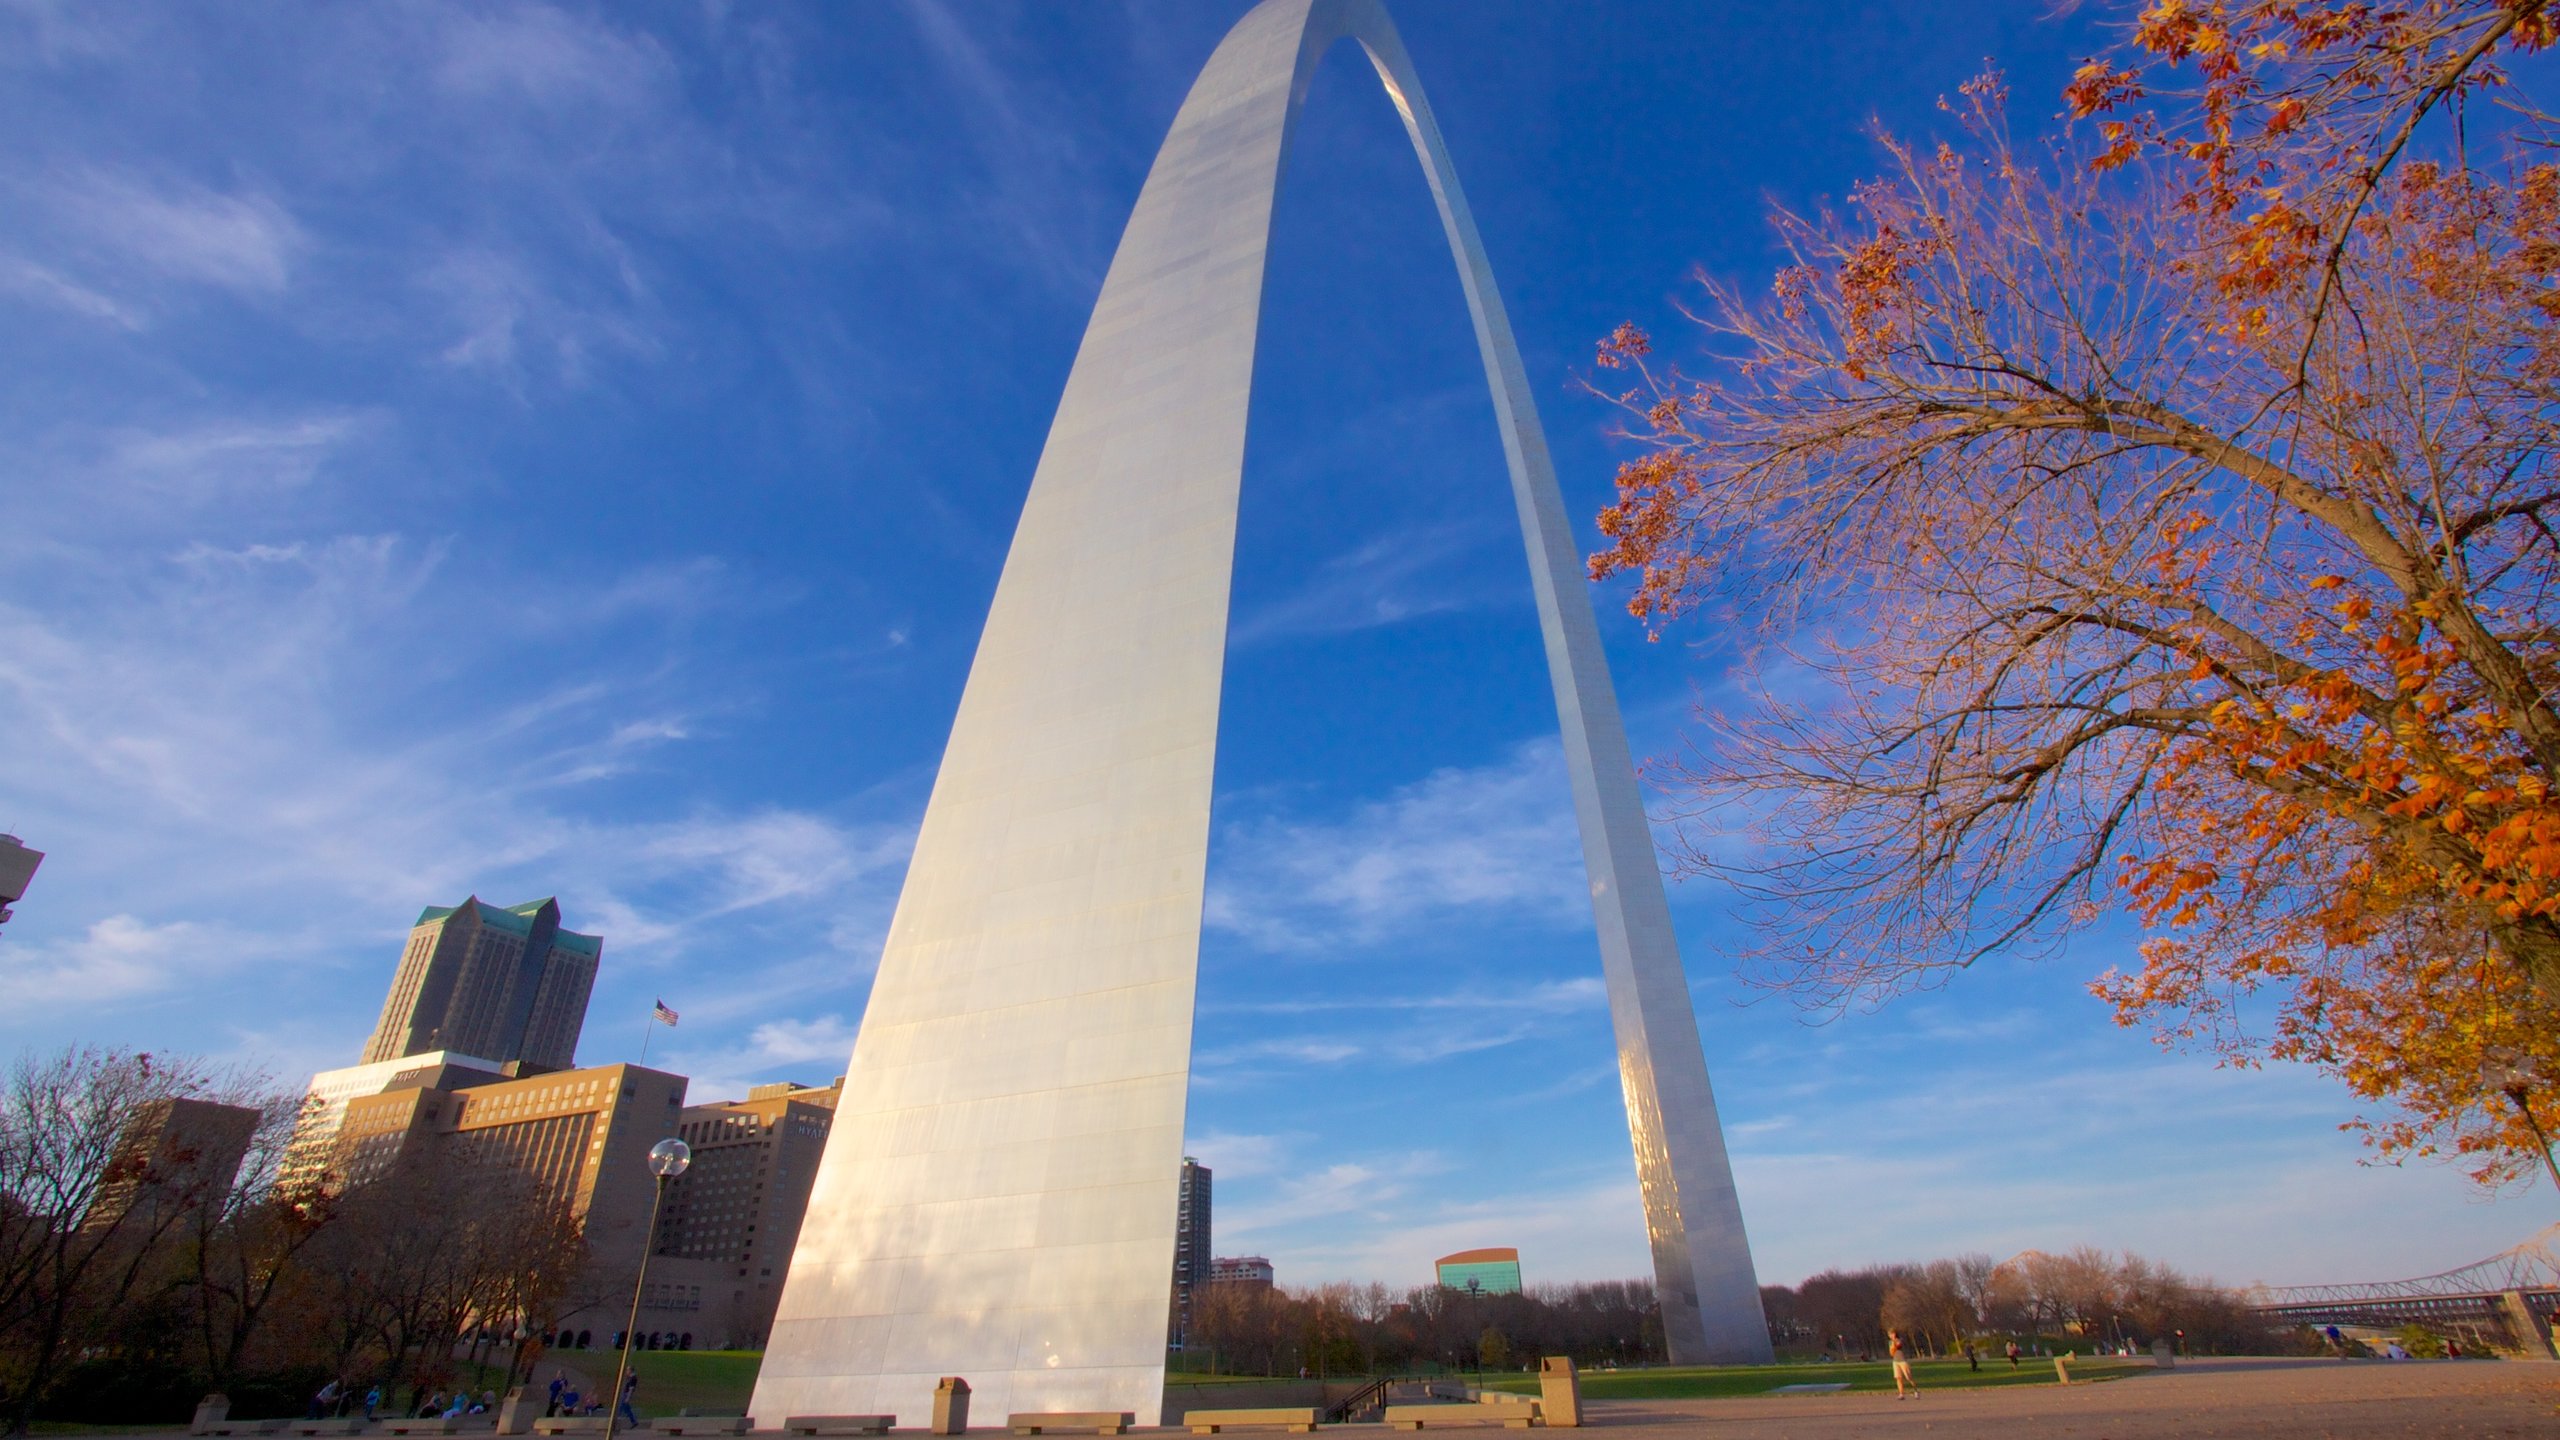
2157, 516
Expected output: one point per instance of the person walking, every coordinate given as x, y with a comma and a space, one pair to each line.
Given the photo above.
372, 1401
325, 1402
1899, 1349
1972, 1358
630, 1393
2013, 1354
559, 1382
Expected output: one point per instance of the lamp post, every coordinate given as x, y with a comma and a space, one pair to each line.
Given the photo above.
2510, 1070
667, 1160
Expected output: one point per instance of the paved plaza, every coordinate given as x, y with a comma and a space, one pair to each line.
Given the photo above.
2200, 1400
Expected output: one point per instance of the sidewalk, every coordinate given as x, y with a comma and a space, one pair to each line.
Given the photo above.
2199, 1400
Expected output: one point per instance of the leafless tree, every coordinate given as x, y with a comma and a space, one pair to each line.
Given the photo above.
93, 1204
246, 1252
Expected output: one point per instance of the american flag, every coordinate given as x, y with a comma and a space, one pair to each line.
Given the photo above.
662, 1014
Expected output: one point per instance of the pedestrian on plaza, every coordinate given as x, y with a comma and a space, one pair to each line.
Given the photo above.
2013, 1354
1904, 1387
559, 1382
630, 1391
1972, 1358
325, 1401
372, 1400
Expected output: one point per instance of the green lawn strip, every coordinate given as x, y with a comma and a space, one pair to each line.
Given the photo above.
716, 1382
713, 1381
721, 1381
1708, 1383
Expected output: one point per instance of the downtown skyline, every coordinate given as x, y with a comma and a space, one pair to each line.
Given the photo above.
569, 450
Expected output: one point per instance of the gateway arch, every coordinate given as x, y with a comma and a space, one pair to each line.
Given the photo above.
997, 1198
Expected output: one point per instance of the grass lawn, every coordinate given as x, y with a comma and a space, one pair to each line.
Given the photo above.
711, 1380
1717, 1382
719, 1381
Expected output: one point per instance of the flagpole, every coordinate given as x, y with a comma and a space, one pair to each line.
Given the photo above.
648, 1031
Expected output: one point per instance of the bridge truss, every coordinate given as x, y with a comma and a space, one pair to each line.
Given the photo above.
2507, 1302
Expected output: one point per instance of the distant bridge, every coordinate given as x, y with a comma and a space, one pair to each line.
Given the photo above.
2506, 1303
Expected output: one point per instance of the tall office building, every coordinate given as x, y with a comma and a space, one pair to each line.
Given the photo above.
502, 984
1191, 1257
739, 1205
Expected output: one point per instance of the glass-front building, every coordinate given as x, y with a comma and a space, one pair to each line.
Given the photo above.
1494, 1271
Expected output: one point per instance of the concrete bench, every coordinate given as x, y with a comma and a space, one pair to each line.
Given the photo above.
575, 1425
838, 1424
240, 1427
704, 1425
1296, 1421
1416, 1417
433, 1425
347, 1425
1099, 1422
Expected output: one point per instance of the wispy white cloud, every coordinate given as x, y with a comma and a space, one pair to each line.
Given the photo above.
1302, 1050
286, 736
1549, 997
205, 461
1389, 580
1583, 1231
117, 245
54, 32
1034, 181
549, 58
28, 280
1494, 841
1343, 1191
1233, 1156
2209, 1169
507, 314
239, 241
117, 961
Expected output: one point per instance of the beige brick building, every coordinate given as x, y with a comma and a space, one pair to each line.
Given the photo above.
736, 1213
584, 1136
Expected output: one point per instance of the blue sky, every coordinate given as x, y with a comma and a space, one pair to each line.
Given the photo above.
539, 449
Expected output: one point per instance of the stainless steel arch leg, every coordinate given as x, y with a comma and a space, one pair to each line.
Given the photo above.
997, 1199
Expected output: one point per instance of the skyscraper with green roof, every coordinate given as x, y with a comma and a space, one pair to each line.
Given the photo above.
503, 984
